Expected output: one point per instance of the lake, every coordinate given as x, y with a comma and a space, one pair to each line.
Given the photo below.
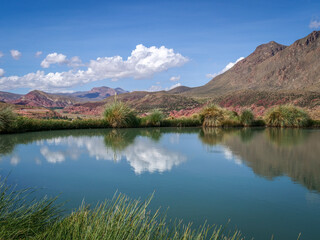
266, 181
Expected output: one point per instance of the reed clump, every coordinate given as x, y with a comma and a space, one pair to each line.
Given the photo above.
120, 115
287, 116
155, 118
214, 116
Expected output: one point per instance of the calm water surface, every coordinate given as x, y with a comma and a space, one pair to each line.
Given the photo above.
266, 181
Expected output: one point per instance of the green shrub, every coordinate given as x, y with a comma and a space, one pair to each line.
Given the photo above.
287, 116
258, 123
154, 118
119, 115
231, 123
23, 124
215, 116
7, 118
246, 117
315, 123
181, 122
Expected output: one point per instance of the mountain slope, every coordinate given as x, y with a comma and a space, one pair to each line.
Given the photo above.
271, 67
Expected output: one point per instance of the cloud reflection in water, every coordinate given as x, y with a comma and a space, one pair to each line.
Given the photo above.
143, 155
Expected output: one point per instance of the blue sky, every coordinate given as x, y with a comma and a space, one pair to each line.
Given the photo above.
204, 37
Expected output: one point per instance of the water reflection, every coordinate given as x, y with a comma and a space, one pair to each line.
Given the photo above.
139, 148
268, 152
273, 152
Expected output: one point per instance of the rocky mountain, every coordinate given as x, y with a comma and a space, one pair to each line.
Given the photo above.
95, 94
6, 96
273, 74
41, 99
271, 67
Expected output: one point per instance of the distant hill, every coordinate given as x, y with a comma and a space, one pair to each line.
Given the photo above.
6, 96
38, 98
95, 94
42, 99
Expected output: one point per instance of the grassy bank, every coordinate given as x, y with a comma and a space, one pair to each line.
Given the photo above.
119, 115
118, 218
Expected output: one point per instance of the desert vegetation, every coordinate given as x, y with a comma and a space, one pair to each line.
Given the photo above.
287, 116
154, 118
118, 218
247, 117
7, 118
120, 115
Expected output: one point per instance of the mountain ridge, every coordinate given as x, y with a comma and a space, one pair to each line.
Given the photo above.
272, 67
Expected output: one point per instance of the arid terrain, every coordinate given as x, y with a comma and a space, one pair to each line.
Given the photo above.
273, 74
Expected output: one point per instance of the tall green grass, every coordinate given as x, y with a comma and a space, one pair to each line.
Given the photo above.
154, 119
22, 218
247, 117
23, 124
119, 115
7, 118
214, 116
118, 218
287, 116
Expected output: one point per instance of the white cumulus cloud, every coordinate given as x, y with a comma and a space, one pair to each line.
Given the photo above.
15, 54
1, 72
175, 78
314, 24
53, 58
143, 63
38, 53
226, 68
59, 58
